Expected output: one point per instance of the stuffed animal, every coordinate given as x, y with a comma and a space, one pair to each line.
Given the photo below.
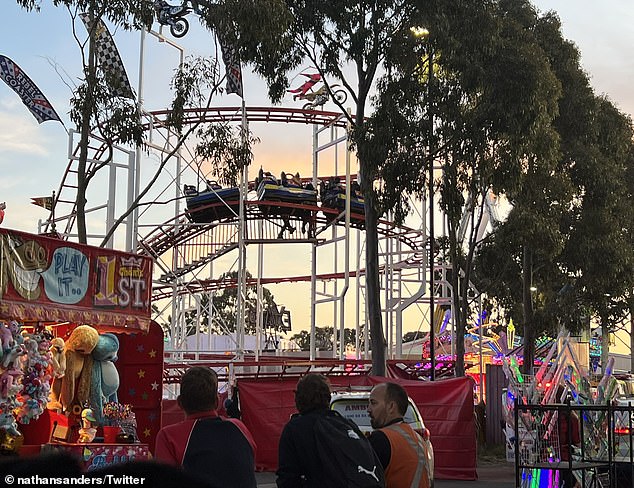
8, 423
10, 383
58, 359
11, 356
105, 377
6, 337
76, 381
87, 432
58, 365
15, 328
10, 444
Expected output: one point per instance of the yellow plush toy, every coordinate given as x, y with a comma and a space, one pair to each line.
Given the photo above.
76, 381
58, 364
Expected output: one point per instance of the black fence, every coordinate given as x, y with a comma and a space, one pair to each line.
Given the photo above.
601, 455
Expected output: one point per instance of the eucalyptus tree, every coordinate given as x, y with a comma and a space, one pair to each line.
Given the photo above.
346, 42
600, 251
104, 104
520, 263
564, 238
478, 97
100, 102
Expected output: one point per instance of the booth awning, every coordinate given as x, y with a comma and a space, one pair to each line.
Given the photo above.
48, 280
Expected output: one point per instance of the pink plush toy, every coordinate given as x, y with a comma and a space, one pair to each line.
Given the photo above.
9, 383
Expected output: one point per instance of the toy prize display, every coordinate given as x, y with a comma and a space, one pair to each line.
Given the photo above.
59, 381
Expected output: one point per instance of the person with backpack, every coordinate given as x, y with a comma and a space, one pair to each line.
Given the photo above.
219, 452
400, 448
321, 449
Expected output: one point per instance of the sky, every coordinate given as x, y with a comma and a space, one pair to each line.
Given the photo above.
33, 157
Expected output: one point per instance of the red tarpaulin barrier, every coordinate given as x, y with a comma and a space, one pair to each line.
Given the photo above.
49, 280
446, 407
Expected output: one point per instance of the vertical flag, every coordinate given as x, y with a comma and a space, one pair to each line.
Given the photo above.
28, 91
108, 57
232, 67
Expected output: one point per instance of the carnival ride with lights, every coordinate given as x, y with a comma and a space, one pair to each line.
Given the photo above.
197, 231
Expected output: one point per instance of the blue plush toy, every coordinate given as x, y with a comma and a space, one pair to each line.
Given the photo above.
105, 377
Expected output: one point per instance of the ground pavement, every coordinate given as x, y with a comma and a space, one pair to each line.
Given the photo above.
490, 475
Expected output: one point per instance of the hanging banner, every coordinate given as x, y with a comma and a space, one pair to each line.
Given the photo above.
49, 280
28, 91
233, 69
109, 58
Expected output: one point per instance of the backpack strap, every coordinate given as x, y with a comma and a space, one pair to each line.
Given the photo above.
417, 446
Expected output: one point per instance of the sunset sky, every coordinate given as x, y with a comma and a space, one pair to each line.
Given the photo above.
33, 157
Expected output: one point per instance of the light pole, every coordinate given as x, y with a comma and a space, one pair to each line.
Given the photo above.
432, 332
422, 32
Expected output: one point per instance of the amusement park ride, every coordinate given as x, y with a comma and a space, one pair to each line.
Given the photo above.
196, 230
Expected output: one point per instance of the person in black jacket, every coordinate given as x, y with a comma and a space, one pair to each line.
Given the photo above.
299, 464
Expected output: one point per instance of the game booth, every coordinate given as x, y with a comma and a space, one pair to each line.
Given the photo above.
81, 362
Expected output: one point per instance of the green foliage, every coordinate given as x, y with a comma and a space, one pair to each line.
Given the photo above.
324, 338
570, 213
224, 308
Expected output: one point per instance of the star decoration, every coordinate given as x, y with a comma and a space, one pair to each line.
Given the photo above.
147, 432
144, 396
140, 348
132, 392
152, 353
151, 417
141, 373
154, 386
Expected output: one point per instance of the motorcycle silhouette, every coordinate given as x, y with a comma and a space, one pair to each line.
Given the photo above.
173, 16
317, 98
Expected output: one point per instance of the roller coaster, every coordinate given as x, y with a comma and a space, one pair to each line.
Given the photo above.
183, 243
197, 231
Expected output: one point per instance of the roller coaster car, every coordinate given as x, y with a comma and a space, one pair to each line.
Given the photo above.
333, 195
212, 204
289, 189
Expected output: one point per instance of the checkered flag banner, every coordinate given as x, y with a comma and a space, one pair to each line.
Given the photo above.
232, 67
108, 57
28, 91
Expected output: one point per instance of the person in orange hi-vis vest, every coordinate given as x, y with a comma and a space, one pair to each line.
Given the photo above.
399, 447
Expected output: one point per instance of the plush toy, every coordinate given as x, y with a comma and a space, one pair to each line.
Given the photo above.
10, 383
87, 432
15, 328
36, 381
12, 355
105, 377
8, 423
76, 381
6, 337
58, 365
10, 444
58, 360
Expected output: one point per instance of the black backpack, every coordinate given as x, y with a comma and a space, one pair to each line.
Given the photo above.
346, 456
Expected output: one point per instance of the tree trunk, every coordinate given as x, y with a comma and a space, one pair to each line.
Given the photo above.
605, 343
373, 288
86, 109
527, 302
630, 305
457, 298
